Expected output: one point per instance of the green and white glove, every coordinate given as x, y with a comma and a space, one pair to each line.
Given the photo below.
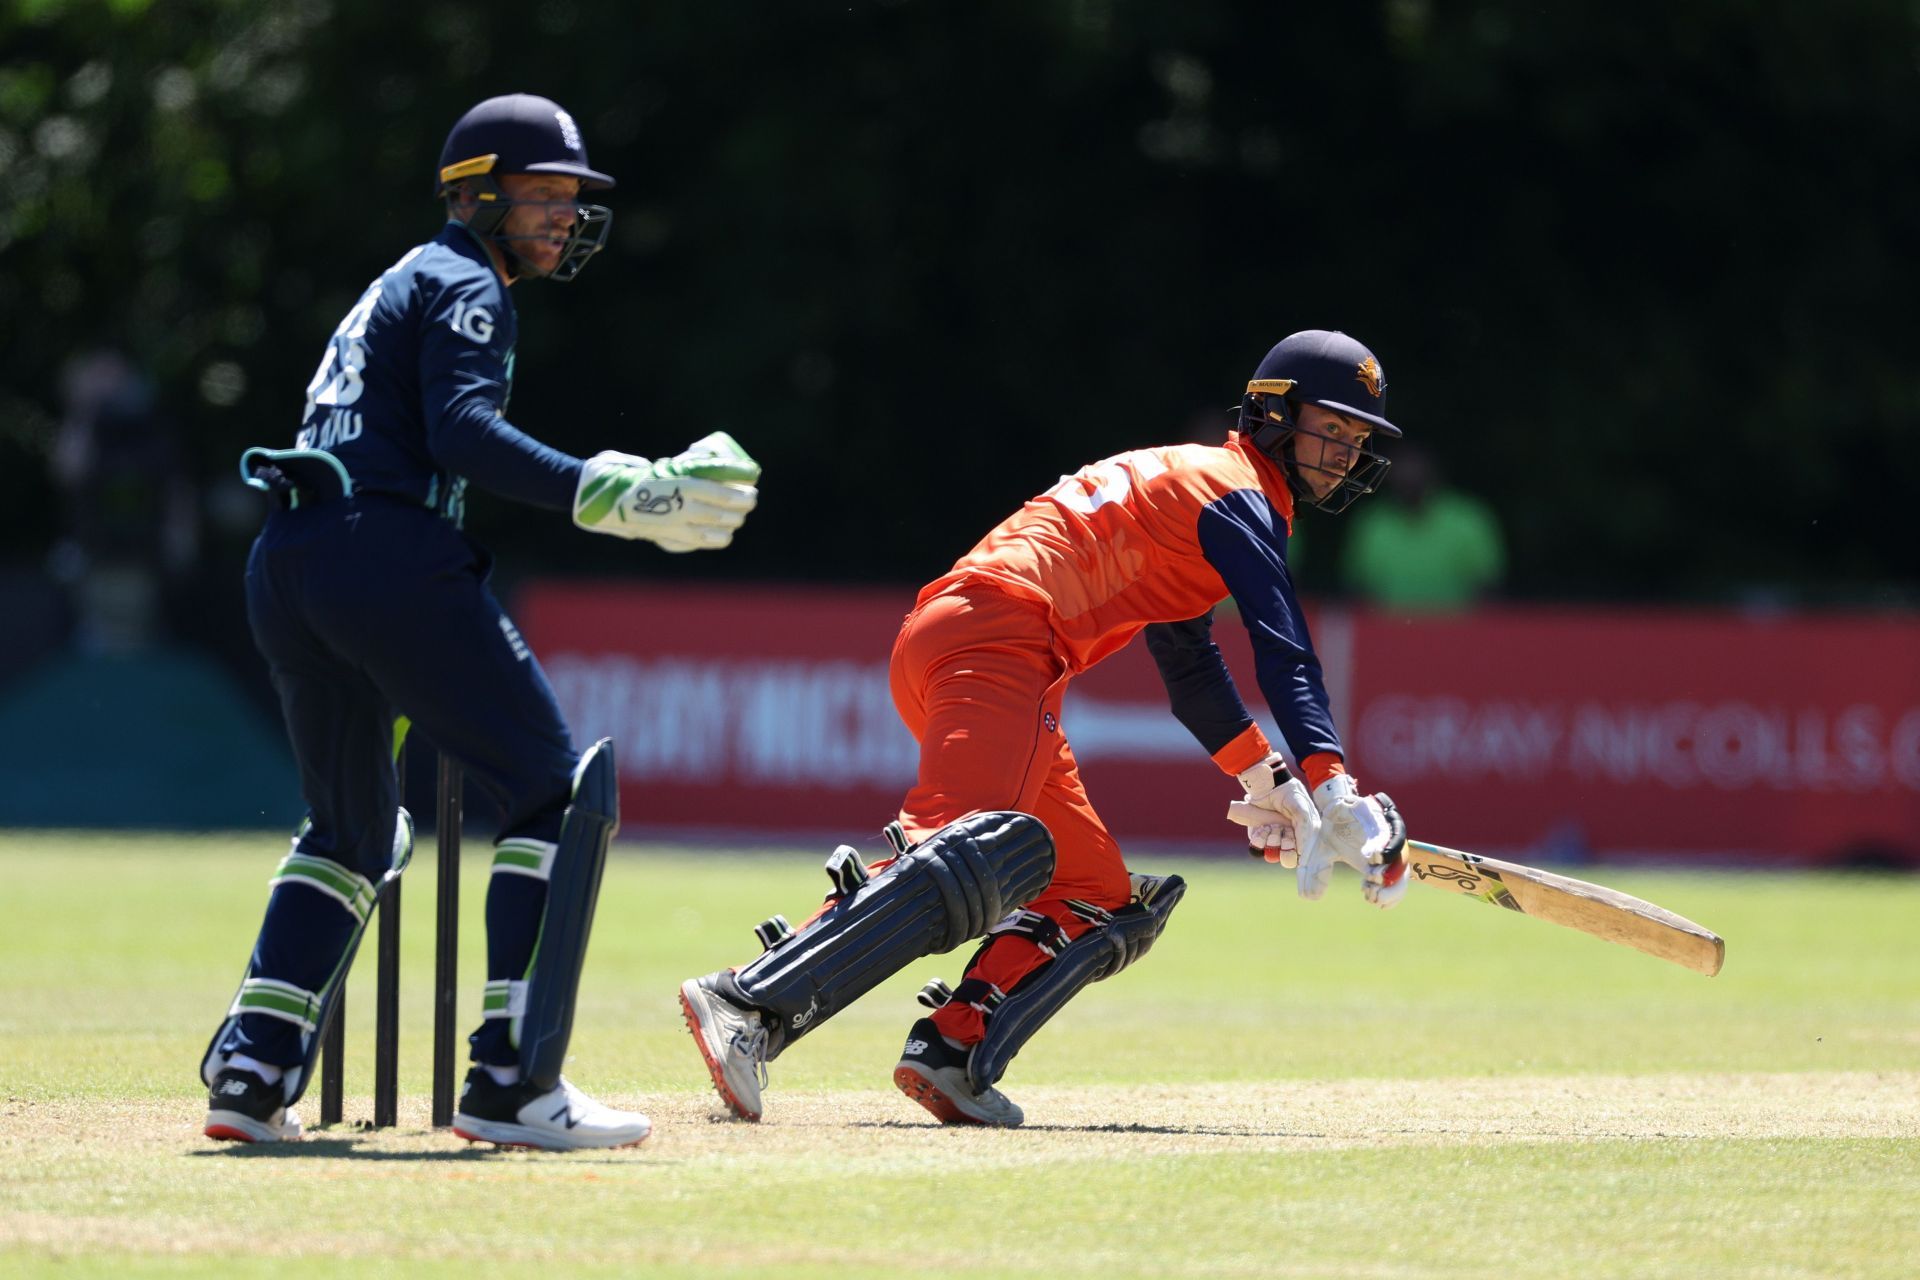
693, 501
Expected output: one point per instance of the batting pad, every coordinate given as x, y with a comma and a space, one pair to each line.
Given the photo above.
949, 889
310, 1010
573, 891
1095, 955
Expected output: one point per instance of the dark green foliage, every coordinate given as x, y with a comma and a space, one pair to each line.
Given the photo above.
1642, 275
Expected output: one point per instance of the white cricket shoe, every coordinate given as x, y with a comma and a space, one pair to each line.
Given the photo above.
733, 1040
934, 1074
562, 1118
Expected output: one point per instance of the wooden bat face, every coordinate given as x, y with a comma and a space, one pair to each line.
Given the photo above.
1576, 904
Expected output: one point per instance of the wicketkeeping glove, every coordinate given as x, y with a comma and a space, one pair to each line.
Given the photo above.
693, 501
1277, 812
1366, 833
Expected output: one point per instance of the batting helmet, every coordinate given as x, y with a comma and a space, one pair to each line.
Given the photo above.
522, 133
1329, 369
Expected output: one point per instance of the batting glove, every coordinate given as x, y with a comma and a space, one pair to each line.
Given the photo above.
1275, 813
1366, 833
693, 501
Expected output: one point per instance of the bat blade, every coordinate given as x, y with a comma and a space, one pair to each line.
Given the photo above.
1575, 904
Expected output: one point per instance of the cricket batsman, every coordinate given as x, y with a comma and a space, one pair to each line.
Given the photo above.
997, 836
372, 609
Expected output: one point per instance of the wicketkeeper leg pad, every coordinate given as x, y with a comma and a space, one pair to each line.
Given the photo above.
310, 1011
946, 890
573, 890
1113, 944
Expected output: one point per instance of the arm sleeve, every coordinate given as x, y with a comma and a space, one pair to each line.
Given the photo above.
464, 381
1245, 542
1202, 692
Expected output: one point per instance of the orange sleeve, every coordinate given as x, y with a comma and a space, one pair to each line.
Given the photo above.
1320, 766
1244, 752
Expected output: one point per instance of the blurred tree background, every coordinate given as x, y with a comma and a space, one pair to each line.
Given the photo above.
1641, 275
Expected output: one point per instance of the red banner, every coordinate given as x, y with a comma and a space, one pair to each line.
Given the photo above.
1526, 732
1646, 733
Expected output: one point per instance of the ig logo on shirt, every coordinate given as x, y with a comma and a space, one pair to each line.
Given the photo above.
475, 323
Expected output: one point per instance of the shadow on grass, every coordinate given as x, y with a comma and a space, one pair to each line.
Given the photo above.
350, 1146
1166, 1130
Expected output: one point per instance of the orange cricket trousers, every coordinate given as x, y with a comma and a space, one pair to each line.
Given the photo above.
978, 681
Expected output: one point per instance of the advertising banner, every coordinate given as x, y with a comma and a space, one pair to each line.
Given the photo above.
764, 712
1793, 739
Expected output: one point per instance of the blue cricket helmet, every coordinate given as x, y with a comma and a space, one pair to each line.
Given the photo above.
523, 133
517, 133
1327, 368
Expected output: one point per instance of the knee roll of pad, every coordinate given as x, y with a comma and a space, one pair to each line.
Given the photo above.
948, 889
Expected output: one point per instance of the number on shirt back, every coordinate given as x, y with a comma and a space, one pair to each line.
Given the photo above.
337, 382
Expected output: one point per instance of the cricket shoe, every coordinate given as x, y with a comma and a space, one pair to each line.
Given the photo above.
562, 1118
241, 1107
934, 1074
733, 1040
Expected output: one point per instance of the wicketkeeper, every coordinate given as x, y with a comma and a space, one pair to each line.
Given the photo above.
372, 609
997, 837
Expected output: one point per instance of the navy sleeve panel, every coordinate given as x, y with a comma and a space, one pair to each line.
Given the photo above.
466, 361
1199, 686
1245, 540
473, 440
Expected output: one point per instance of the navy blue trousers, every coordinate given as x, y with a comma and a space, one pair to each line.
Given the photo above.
366, 608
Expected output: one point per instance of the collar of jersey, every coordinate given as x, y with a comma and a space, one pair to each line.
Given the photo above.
459, 237
1273, 481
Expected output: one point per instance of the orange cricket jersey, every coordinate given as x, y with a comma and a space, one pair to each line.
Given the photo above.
1116, 545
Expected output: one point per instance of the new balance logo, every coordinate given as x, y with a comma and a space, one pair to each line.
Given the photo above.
566, 1117
234, 1088
915, 1049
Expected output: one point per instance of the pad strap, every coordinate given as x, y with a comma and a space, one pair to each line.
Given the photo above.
323, 875
979, 993
1043, 931
276, 999
503, 998
846, 870
520, 856
773, 931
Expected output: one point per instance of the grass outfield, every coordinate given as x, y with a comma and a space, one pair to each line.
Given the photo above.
1280, 1089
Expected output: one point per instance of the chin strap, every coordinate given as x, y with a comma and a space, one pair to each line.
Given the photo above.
1275, 439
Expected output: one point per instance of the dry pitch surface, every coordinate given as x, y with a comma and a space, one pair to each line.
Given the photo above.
1280, 1090
1802, 1174
851, 1128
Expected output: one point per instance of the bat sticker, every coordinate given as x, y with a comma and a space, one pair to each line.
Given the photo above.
1467, 880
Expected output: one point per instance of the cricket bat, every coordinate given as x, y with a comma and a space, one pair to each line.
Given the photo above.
1590, 908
